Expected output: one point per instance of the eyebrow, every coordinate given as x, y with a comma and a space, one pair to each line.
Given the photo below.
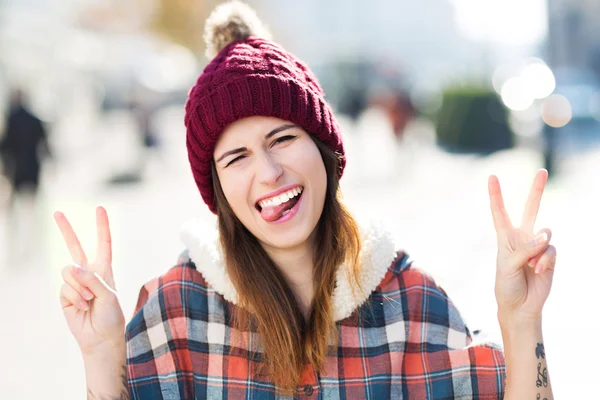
269, 135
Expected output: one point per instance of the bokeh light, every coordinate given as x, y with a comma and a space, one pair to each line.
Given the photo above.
520, 85
556, 111
539, 80
515, 94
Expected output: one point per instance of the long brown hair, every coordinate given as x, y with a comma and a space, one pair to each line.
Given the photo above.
287, 341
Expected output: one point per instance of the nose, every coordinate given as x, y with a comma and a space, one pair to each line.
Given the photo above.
269, 170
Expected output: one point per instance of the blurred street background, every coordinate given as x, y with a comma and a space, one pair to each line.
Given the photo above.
433, 97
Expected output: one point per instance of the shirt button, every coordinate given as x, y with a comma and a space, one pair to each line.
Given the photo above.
308, 390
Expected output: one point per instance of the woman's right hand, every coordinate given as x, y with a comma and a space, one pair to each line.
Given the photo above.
88, 297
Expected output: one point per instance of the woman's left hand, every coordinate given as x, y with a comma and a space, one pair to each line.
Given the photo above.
525, 263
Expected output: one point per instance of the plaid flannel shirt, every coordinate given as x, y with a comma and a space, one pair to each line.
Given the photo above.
406, 341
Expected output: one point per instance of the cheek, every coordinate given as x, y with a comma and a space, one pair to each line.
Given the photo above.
235, 188
309, 163
319, 176
317, 166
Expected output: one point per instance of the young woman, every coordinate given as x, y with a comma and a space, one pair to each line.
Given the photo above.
291, 298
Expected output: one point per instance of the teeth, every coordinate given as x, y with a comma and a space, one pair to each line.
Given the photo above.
282, 198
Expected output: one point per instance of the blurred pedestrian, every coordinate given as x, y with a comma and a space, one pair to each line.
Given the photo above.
291, 298
23, 147
398, 108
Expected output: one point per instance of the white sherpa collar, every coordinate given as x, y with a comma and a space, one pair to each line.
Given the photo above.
377, 253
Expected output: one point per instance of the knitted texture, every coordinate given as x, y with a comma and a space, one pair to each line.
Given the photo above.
253, 77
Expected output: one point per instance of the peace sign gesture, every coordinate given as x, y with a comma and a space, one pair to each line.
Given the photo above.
525, 263
88, 297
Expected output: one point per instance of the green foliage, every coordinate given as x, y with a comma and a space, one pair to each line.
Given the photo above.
473, 120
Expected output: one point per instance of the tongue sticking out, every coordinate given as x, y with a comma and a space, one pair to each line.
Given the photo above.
273, 213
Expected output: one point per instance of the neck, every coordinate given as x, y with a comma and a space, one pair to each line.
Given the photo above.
296, 265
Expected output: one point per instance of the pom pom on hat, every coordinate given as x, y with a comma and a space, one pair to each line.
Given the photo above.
230, 22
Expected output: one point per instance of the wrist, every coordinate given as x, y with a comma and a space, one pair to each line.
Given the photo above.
108, 350
106, 371
510, 320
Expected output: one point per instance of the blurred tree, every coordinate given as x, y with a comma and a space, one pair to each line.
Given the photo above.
182, 21
473, 120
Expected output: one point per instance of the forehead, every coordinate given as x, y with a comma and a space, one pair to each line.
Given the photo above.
247, 130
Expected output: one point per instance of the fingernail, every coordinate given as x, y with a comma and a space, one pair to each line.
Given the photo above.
539, 239
87, 294
539, 268
83, 305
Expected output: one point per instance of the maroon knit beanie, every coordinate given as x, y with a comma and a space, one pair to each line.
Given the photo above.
250, 76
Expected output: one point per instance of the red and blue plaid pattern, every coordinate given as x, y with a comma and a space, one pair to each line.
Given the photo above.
407, 341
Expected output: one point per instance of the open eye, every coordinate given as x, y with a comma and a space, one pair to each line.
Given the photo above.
285, 138
234, 160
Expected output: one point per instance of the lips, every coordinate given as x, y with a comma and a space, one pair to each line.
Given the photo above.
273, 213
280, 203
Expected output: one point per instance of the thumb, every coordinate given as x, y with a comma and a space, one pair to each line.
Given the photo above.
532, 247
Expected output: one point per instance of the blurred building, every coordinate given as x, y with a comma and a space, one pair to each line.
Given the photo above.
420, 37
574, 34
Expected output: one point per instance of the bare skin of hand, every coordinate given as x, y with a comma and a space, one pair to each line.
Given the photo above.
525, 262
88, 296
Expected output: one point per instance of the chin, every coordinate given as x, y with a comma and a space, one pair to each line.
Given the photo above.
288, 238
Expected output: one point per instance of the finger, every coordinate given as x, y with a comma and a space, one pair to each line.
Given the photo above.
535, 259
94, 283
547, 260
104, 245
533, 201
499, 214
68, 275
532, 262
70, 297
68, 234
531, 248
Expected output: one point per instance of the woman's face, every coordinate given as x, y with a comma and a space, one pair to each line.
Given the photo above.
274, 179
